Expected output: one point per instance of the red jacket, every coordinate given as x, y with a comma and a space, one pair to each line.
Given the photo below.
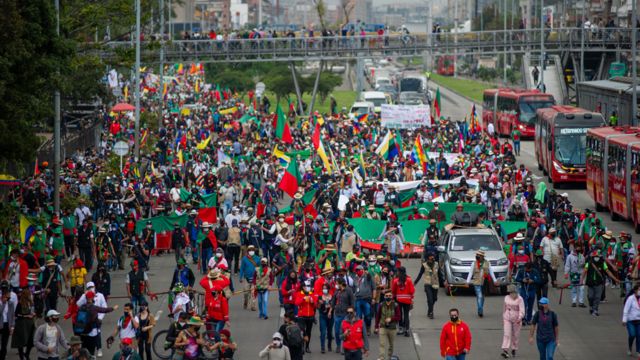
289, 298
306, 307
319, 284
23, 271
210, 284
455, 338
218, 308
354, 340
403, 292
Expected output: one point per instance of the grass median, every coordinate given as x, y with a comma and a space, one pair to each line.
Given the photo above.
472, 89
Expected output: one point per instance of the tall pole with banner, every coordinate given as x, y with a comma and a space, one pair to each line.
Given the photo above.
136, 83
56, 133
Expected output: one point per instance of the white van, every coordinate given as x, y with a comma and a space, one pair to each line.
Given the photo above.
360, 108
377, 98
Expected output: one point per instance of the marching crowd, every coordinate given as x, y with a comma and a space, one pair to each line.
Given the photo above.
263, 205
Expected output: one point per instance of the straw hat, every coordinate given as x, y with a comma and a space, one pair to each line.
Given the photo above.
480, 253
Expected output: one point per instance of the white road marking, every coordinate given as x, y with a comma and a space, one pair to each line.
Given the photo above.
416, 339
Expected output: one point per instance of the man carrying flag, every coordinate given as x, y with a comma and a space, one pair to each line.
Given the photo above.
281, 125
437, 104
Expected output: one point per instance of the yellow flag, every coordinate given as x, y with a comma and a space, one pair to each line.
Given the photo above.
228, 111
180, 158
203, 144
126, 93
323, 156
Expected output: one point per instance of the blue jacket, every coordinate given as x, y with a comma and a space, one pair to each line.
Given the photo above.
247, 269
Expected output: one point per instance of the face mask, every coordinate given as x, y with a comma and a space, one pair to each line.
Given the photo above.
596, 258
372, 263
360, 272
126, 351
520, 252
277, 343
218, 255
351, 315
454, 318
182, 324
337, 287
307, 288
388, 299
251, 253
478, 258
325, 291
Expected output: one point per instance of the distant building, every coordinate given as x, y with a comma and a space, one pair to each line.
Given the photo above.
607, 96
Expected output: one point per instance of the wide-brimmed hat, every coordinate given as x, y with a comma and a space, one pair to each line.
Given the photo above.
519, 237
213, 274
50, 262
195, 321
512, 289
75, 340
480, 253
608, 234
327, 270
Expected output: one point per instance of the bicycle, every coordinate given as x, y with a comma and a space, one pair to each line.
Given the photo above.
165, 351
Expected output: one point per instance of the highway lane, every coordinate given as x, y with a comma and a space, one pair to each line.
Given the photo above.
581, 335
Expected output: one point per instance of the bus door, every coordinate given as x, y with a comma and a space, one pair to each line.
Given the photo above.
605, 173
631, 165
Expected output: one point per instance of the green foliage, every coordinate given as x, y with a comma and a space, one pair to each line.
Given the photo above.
487, 74
328, 82
70, 202
493, 17
29, 56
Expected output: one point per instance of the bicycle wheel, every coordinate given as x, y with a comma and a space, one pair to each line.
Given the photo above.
158, 346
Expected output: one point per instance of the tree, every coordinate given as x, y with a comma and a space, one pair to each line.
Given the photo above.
30, 54
328, 82
347, 7
321, 10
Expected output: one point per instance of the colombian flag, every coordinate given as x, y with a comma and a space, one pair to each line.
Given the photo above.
27, 230
282, 157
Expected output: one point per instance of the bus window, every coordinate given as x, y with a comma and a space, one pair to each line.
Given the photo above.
613, 157
635, 167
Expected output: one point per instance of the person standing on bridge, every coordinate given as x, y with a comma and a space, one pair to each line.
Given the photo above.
613, 119
535, 73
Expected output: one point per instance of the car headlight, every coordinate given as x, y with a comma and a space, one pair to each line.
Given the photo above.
502, 262
455, 261
558, 168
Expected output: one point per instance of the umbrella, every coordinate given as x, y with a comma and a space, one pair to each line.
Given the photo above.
123, 107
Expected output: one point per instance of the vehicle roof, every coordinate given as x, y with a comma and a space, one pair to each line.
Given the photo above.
471, 231
617, 84
372, 94
625, 140
570, 116
361, 104
609, 130
511, 92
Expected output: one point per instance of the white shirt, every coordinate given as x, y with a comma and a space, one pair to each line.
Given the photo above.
13, 299
490, 129
551, 246
129, 331
175, 194
213, 264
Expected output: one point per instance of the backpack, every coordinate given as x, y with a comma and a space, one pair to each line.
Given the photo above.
294, 336
82, 321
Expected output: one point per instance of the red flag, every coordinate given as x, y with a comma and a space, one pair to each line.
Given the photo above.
291, 179
36, 170
183, 141
282, 126
315, 138
260, 208
310, 210
208, 215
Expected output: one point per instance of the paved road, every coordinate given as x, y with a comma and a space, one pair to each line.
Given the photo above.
581, 335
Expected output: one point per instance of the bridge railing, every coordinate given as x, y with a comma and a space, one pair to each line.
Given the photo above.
353, 46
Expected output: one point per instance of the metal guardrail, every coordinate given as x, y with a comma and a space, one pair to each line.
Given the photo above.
339, 47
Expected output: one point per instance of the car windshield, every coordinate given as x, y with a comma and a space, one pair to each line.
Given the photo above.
410, 84
571, 150
473, 242
528, 110
359, 110
377, 102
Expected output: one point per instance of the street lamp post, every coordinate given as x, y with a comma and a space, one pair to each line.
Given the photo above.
56, 132
161, 92
542, 62
634, 67
136, 83
504, 50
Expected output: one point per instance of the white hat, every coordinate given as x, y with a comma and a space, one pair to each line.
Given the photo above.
90, 284
565, 195
52, 312
277, 335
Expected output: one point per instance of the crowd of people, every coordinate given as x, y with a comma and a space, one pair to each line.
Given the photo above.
214, 180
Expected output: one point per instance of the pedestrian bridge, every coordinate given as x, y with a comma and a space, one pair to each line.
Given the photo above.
572, 40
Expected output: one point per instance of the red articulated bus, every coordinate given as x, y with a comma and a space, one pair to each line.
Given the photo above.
446, 65
561, 142
613, 171
516, 109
